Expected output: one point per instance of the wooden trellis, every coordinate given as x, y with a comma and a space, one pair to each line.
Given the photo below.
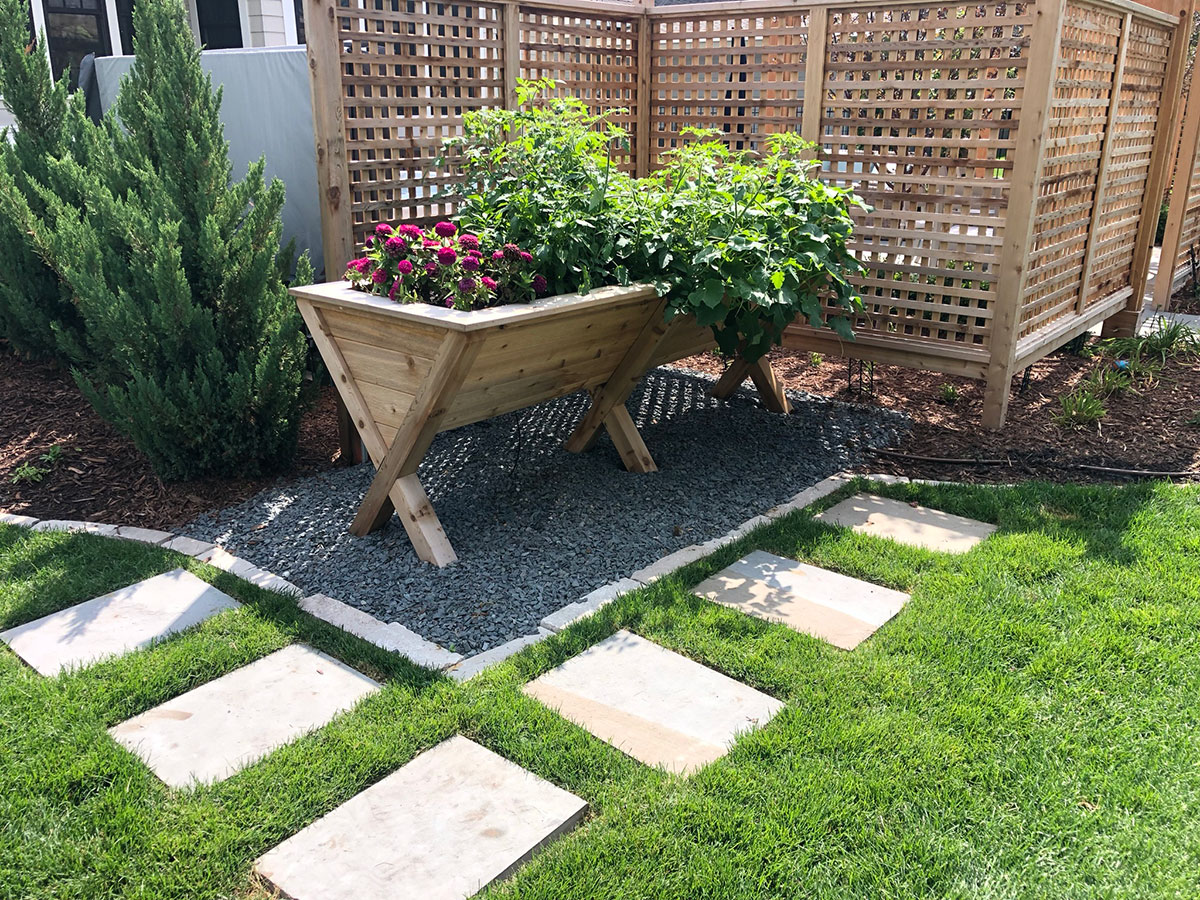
1008, 150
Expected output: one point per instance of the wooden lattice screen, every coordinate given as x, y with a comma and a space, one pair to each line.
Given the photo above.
1006, 149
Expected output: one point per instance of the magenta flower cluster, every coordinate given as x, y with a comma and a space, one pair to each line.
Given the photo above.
408, 264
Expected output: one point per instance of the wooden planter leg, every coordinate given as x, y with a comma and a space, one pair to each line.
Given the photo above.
770, 388
613, 393
396, 485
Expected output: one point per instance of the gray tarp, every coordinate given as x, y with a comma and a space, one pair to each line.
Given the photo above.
267, 111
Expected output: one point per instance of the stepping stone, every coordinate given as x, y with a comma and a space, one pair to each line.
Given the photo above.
443, 827
657, 706
843, 611
907, 524
116, 623
221, 727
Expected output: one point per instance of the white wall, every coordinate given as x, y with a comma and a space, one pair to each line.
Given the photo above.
268, 26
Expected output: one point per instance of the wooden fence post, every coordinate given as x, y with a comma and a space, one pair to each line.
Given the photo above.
641, 136
814, 76
1183, 166
512, 53
333, 173
1124, 322
1040, 79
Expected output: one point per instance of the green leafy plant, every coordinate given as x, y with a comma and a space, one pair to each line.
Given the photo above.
816, 359
1079, 410
1194, 421
1151, 351
36, 314
948, 393
28, 473
192, 346
745, 244
1108, 381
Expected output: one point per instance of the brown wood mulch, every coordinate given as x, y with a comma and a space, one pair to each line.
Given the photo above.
1146, 428
100, 476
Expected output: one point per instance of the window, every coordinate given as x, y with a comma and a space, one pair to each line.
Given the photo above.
299, 22
75, 28
220, 24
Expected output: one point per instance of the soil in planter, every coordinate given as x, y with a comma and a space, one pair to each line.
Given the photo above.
98, 474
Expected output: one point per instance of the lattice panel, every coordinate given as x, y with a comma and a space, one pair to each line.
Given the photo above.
1189, 241
1132, 138
919, 117
741, 75
1072, 148
594, 58
410, 70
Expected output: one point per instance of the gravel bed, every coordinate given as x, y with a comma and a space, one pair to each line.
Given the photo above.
536, 527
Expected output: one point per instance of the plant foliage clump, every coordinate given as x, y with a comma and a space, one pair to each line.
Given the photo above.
192, 346
36, 314
746, 244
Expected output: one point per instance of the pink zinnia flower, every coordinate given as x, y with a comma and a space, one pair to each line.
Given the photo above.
395, 246
466, 285
470, 263
379, 276
446, 256
356, 264
497, 254
383, 229
410, 231
526, 257
539, 284
431, 267
405, 266
475, 253
449, 303
512, 252
489, 283
395, 287
430, 242
445, 229
468, 241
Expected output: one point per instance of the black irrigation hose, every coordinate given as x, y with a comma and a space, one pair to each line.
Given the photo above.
895, 454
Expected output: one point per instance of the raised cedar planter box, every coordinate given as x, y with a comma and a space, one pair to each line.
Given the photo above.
408, 371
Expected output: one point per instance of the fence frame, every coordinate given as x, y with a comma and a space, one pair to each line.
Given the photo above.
1004, 352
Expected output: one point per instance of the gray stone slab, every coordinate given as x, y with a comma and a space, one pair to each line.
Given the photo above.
75, 527
657, 706
388, 635
221, 727
189, 546
116, 623
841, 610
472, 666
443, 827
905, 523
14, 519
227, 562
144, 535
589, 604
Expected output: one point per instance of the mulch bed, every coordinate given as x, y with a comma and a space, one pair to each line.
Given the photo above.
100, 476
1146, 428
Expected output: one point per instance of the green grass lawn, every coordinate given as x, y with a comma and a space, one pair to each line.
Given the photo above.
1026, 727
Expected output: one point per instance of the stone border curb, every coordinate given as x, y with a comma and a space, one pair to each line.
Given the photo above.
396, 638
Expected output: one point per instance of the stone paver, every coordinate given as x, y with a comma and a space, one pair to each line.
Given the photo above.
14, 519
589, 604
659, 707
73, 526
227, 562
907, 524
116, 623
189, 546
144, 535
473, 665
221, 727
843, 611
443, 827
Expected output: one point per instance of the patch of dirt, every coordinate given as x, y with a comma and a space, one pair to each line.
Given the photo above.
1186, 300
1146, 428
99, 475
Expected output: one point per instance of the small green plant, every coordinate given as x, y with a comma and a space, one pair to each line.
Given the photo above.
1194, 421
1150, 351
1080, 346
816, 359
1108, 381
31, 473
948, 393
1079, 410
